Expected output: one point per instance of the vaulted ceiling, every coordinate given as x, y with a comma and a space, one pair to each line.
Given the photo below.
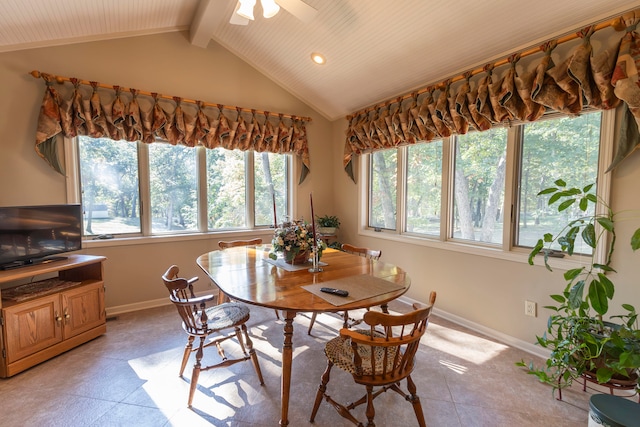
375, 49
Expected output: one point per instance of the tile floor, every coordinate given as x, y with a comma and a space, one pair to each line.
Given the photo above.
128, 377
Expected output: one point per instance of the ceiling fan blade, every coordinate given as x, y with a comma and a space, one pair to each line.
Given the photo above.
237, 19
299, 9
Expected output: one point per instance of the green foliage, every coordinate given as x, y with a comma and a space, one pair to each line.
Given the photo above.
579, 340
328, 221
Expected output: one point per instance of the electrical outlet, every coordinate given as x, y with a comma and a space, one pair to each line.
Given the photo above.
530, 308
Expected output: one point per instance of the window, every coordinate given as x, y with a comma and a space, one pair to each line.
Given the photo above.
480, 189
424, 188
109, 186
226, 189
187, 190
563, 148
478, 183
173, 187
384, 172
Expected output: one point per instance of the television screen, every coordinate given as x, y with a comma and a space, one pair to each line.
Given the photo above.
34, 234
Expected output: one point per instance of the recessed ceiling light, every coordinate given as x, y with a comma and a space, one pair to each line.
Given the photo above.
318, 58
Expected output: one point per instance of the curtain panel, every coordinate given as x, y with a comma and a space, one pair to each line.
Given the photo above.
584, 78
92, 110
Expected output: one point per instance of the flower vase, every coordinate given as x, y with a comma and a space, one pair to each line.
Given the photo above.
300, 258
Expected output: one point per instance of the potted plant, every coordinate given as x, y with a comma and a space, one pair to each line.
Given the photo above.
294, 240
582, 343
327, 224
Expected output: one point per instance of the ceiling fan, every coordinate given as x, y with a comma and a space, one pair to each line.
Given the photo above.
243, 12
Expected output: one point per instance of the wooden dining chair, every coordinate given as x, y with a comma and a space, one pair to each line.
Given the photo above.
355, 250
225, 320
377, 359
224, 244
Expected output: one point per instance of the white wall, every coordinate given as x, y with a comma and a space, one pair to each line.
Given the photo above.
166, 64
487, 291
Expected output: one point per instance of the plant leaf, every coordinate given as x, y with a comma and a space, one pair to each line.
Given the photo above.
535, 251
608, 285
635, 240
560, 183
628, 307
603, 267
604, 375
584, 204
598, 297
573, 273
589, 235
558, 298
547, 191
606, 223
575, 295
554, 198
564, 205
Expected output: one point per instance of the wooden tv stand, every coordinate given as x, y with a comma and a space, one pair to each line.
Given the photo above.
49, 316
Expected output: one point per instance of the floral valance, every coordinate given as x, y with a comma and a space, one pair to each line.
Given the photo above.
96, 110
584, 78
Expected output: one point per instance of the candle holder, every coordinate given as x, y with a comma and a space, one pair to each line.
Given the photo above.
315, 260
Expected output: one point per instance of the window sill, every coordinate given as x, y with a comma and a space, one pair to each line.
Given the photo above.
520, 255
265, 233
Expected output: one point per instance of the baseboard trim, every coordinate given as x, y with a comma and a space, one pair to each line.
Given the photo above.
143, 305
492, 333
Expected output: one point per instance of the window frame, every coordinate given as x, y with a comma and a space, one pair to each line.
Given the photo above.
507, 249
74, 188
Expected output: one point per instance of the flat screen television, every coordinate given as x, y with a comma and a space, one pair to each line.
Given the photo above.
37, 234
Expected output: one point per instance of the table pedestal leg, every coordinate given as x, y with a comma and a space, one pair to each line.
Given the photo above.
287, 360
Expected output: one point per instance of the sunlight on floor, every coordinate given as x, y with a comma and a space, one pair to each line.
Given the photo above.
472, 348
459, 369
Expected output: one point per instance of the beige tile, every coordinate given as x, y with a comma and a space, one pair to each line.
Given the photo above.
130, 377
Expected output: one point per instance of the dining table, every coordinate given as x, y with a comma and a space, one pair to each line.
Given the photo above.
247, 274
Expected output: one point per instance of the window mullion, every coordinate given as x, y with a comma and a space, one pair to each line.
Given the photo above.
446, 205
603, 187
203, 206
72, 167
250, 189
514, 141
144, 185
401, 185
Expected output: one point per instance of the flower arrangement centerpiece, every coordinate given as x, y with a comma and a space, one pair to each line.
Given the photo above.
295, 241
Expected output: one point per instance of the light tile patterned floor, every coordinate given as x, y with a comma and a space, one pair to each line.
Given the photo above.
128, 377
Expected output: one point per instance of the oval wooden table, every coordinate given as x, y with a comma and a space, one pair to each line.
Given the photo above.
246, 274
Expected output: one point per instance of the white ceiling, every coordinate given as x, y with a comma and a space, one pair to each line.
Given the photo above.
375, 49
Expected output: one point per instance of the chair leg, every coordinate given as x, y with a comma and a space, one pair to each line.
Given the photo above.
370, 412
253, 354
415, 401
311, 322
277, 314
240, 340
322, 388
196, 372
345, 317
187, 353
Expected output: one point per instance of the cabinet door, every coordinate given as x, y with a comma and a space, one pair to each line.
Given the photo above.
32, 326
83, 309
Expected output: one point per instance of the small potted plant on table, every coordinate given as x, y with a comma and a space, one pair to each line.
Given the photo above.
327, 224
